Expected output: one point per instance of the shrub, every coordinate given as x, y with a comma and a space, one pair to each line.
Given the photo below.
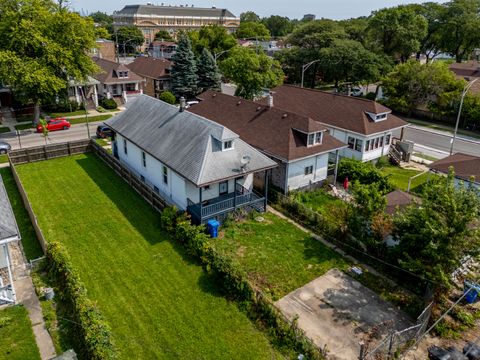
65, 105
364, 173
371, 96
108, 104
94, 336
168, 97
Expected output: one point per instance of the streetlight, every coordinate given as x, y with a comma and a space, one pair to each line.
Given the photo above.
305, 67
464, 92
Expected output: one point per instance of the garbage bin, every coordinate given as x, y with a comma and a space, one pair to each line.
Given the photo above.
471, 297
212, 227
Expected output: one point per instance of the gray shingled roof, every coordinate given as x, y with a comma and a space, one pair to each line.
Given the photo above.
8, 225
187, 143
173, 11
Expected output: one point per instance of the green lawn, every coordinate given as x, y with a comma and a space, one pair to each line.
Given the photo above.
4, 129
16, 337
24, 126
66, 114
159, 303
319, 201
3, 159
30, 243
399, 177
277, 255
91, 119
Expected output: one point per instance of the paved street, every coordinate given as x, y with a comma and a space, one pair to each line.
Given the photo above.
427, 141
30, 139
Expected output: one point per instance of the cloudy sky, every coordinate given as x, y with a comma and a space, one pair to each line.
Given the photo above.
333, 9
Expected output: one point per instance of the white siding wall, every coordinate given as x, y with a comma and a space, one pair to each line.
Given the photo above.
343, 135
213, 191
296, 171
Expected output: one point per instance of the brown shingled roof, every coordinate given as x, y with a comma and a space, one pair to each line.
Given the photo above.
469, 70
151, 67
340, 111
398, 200
465, 166
277, 132
108, 75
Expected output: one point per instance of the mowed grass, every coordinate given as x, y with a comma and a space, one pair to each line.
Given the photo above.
278, 256
16, 336
158, 302
30, 244
399, 177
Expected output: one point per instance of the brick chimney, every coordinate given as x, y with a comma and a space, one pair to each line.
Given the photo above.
182, 104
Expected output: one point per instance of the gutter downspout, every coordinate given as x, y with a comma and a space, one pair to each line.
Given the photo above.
337, 155
286, 179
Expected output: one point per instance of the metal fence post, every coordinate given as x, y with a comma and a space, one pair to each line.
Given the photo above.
362, 351
390, 345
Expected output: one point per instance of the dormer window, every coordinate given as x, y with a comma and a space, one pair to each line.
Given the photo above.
314, 138
381, 117
227, 145
122, 74
378, 117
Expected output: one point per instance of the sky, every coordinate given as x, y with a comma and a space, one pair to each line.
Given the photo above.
332, 9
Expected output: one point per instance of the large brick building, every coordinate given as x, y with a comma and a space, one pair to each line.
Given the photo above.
152, 18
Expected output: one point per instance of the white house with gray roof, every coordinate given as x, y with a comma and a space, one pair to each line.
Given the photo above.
192, 162
8, 233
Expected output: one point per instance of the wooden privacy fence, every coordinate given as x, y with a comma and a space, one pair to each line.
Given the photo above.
51, 151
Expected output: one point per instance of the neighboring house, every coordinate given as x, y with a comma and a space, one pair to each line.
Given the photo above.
105, 49
152, 18
162, 49
156, 73
299, 144
398, 200
465, 167
117, 80
467, 70
8, 233
364, 125
81, 91
192, 162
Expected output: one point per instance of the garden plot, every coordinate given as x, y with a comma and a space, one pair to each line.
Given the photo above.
337, 311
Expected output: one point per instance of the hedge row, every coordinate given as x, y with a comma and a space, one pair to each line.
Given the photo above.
93, 340
235, 282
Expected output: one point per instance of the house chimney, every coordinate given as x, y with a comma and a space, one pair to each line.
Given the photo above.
182, 104
270, 99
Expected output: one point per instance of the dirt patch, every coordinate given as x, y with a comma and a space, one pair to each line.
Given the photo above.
338, 312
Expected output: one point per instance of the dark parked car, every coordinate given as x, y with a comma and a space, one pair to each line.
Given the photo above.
104, 132
5, 147
450, 353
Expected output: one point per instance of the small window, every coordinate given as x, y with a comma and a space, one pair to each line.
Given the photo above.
358, 145
227, 145
351, 142
372, 144
156, 189
206, 187
377, 141
223, 188
311, 139
367, 144
142, 178
144, 159
381, 141
309, 170
125, 149
165, 174
318, 138
387, 139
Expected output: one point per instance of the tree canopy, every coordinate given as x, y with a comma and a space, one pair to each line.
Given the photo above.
163, 35
129, 38
42, 45
249, 16
255, 30
183, 75
278, 25
214, 38
251, 71
208, 74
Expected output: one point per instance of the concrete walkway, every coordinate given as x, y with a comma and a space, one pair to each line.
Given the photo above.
26, 296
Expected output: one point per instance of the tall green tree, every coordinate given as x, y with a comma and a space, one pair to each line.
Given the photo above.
317, 34
249, 16
214, 38
436, 237
433, 12
356, 29
412, 85
208, 74
42, 45
249, 30
183, 75
397, 31
278, 25
459, 28
129, 38
252, 72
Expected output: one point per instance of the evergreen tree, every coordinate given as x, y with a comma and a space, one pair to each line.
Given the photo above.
208, 74
184, 69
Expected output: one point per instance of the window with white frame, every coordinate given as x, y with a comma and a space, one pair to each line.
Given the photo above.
351, 142
314, 138
165, 174
318, 138
387, 139
358, 145
377, 142
309, 170
227, 145
311, 139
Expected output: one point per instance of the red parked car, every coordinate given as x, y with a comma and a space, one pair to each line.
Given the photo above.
55, 124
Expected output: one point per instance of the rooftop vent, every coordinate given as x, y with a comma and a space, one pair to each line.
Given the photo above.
259, 108
284, 116
239, 102
182, 104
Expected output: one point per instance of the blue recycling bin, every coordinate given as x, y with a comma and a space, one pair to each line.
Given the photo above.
471, 297
212, 227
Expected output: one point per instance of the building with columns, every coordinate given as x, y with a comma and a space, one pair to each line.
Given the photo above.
152, 18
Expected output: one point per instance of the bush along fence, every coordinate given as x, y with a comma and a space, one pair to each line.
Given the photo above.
234, 282
93, 340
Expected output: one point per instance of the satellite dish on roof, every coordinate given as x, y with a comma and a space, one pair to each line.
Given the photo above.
245, 160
